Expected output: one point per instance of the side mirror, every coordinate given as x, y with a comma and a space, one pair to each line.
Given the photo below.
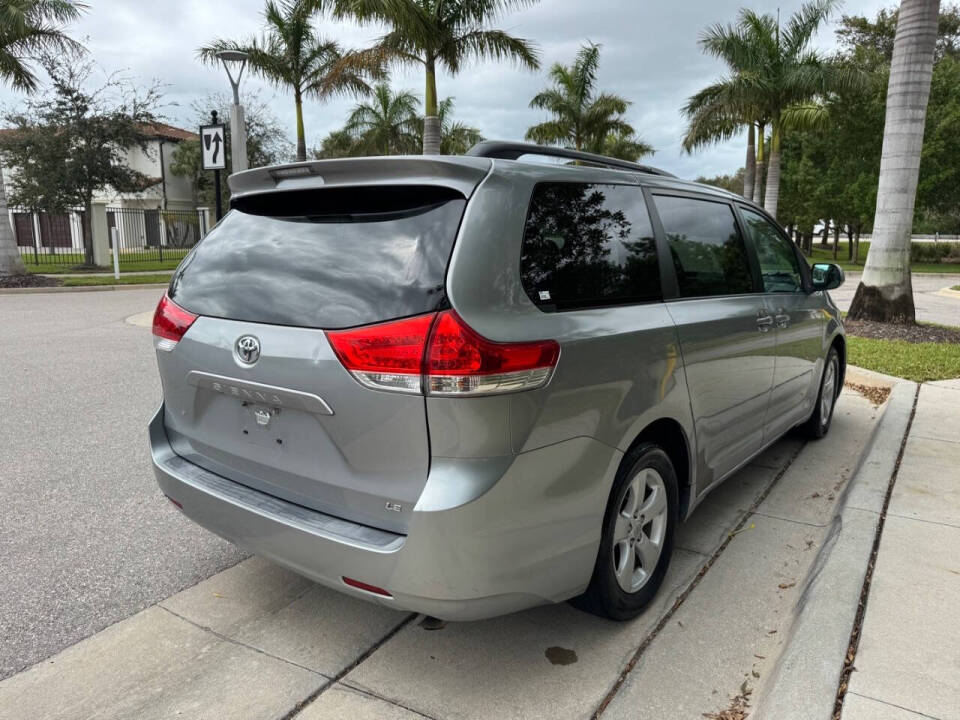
827, 276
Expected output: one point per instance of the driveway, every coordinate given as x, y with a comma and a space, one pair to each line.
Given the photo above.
930, 307
85, 537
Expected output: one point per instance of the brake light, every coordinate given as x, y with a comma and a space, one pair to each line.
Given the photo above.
388, 356
459, 361
170, 323
441, 355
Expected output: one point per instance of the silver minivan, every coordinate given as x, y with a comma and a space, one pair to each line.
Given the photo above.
465, 386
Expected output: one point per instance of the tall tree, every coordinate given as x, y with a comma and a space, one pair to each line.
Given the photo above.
885, 292
775, 78
385, 124
28, 28
73, 142
433, 35
290, 54
582, 118
455, 137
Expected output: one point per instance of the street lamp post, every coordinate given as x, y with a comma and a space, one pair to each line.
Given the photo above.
238, 130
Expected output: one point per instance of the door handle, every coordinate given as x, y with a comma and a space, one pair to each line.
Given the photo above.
782, 318
764, 322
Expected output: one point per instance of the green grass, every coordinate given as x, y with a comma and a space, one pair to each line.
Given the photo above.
821, 254
920, 362
956, 287
109, 280
67, 263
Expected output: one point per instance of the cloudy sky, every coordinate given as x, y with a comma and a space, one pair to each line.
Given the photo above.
650, 55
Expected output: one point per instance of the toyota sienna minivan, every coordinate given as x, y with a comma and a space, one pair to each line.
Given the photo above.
464, 386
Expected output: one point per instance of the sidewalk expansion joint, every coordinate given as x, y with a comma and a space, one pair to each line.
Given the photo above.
681, 598
370, 693
851, 656
819, 526
899, 707
234, 641
295, 710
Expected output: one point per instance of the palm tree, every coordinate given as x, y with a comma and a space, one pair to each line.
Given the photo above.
436, 35
885, 292
775, 79
583, 119
291, 54
455, 137
28, 28
386, 125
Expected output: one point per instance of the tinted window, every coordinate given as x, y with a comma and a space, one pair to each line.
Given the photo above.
705, 244
324, 258
778, 261
588, 246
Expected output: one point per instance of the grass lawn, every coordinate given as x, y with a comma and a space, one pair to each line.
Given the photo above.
124, 280
67, 263
821, 254
919, 362
956, 287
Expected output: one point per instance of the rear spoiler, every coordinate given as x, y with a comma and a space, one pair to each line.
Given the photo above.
460, 173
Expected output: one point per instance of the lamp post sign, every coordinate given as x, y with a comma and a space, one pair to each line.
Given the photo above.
213, 154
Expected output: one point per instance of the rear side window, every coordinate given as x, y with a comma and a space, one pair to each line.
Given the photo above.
588, 245
328, 258
707, 249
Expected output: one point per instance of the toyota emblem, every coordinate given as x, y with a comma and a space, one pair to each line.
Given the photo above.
248, 349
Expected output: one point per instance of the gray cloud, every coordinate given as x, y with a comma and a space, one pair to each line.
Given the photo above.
650, 56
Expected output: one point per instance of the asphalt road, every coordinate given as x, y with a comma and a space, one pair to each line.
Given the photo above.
86, 538
930, 306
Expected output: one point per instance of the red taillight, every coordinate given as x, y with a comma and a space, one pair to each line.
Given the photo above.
365, 586
170, 322
388, 356
440, 354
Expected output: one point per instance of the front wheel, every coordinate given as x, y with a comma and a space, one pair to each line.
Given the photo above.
637, 538
819, 423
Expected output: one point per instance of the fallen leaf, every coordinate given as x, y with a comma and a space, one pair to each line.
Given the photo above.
786, 586
217, 595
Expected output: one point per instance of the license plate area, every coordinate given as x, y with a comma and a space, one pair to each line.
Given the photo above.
264, 425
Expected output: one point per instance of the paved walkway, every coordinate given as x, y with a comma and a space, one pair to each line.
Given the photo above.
930, 306
908, 661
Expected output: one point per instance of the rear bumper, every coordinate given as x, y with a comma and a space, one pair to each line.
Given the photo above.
480, 551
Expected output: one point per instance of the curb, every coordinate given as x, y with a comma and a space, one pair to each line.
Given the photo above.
803, 683
80, 288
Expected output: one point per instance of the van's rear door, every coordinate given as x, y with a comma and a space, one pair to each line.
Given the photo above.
281, 268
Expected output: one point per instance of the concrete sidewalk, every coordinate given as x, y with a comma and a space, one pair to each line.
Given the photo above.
907, 664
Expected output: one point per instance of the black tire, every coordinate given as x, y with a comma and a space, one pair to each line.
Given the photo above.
818, 425
605, 596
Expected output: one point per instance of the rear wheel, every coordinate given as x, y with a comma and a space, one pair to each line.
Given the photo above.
637, 539
819, 423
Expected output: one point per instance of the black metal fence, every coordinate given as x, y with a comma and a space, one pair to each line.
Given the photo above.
146, 238
49, 238
164, 236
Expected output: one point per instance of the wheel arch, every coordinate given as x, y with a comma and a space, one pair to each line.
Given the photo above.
668, 434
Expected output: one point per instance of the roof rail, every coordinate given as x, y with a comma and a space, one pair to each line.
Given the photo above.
513, 150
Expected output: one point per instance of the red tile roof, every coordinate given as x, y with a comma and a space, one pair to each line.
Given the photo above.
168, 132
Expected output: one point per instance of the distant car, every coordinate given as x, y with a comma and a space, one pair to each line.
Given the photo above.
469, 385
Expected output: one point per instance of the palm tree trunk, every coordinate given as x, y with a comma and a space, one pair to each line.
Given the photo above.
301, 135
10, 261
885, 292
761, 163
771, 196
750, 168
431, 121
